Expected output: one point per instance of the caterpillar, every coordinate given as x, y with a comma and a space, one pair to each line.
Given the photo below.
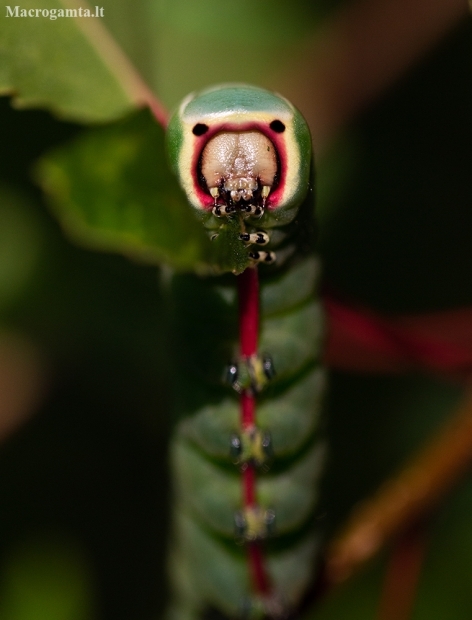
248, 447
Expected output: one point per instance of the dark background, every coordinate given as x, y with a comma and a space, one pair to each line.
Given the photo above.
84, 483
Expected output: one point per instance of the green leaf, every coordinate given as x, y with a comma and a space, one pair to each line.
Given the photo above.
69, 66
112, 190
46, 578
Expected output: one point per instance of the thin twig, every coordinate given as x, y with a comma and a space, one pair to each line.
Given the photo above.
403, 573
405, 499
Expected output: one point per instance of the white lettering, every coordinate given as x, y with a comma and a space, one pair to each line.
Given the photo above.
12, 12
16, 11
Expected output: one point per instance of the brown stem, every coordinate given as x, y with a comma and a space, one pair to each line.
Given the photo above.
406, 498
403, 573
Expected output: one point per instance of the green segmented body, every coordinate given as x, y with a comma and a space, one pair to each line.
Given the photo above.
210, 568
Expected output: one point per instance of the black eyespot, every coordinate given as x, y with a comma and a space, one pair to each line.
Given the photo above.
276, 126
200, 129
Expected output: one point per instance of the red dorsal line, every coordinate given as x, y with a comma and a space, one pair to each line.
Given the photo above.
258, 571
248, 291
248, 410
249, 486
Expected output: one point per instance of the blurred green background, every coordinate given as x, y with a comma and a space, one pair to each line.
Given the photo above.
84, 483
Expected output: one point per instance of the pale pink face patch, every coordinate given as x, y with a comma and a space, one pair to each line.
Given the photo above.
238, 162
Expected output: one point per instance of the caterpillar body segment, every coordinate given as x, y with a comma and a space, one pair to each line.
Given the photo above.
207, 480
247, 450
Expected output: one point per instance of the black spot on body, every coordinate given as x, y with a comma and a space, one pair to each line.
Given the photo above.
277, 126
199, 129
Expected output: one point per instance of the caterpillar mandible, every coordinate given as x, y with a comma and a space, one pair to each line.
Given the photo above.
247, 450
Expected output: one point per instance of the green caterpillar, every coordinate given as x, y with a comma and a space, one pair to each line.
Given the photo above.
247, 451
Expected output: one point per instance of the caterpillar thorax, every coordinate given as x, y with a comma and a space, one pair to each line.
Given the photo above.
243, 156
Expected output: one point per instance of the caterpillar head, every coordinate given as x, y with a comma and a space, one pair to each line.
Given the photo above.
241, 149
